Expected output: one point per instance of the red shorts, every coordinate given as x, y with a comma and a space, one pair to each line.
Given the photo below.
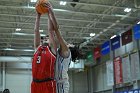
43, 87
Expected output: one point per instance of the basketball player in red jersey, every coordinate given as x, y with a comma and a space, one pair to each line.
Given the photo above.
44, 59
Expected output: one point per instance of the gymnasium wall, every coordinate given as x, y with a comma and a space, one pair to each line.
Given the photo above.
99, 71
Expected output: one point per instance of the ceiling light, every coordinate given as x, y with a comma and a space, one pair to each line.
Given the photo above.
42, 35
59, 10
63, 2
113, 36
101, 32
127, 10
41, 31
21, 34
18, 33
28, 50
9, 49
18, 29
121, 15
33, 1
92, 34
138, 22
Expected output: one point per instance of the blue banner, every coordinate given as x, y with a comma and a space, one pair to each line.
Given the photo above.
136, 30
115, 43
130, 91
105, 48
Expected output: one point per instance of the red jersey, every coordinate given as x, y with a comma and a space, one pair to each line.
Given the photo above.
42, 68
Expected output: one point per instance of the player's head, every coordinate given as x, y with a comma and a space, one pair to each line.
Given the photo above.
45, 40
74, 51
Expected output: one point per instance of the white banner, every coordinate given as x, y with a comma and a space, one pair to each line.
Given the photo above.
135, 66
126, 69
109, 71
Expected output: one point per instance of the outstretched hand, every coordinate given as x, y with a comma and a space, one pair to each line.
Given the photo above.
48, 5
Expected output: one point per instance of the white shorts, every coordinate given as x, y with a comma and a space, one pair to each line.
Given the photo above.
62, 87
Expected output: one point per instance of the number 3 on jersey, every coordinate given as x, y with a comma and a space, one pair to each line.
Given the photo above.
38, 59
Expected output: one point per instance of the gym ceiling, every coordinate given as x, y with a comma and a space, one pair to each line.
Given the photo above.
78, 19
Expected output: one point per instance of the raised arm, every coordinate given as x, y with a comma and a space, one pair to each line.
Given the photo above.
52, 41
36, 31
64, 50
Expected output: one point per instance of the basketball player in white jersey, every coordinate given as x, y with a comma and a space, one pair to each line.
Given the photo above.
63, 57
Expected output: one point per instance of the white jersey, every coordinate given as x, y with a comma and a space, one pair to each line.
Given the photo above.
61, 75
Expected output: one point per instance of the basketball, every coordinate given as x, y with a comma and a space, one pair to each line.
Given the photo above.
40, 8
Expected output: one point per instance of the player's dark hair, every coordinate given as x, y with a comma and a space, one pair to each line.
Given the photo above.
74, 53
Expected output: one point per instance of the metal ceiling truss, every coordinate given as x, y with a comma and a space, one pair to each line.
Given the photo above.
76, 23
105, 30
